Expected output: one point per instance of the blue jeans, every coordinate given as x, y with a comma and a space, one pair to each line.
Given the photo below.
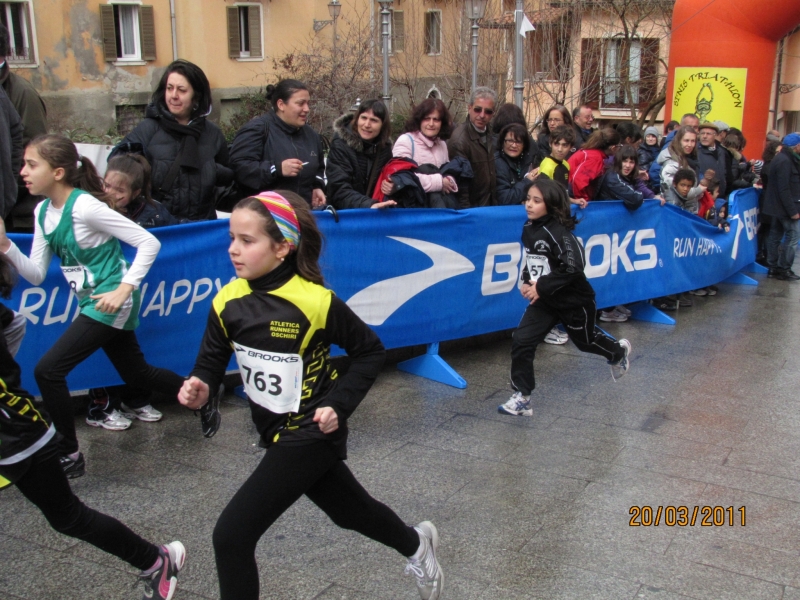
788, 231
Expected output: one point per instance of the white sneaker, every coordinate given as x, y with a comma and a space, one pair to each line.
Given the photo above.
113, 421
426, 569
518, 405
612, 316
556, 336
145, 413
623, 310
619, 368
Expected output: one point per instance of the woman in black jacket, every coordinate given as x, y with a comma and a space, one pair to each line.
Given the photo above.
279, 150
513, 164
359, 150
187, 153
555, 116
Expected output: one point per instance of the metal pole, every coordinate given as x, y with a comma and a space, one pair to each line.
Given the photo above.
385, 34
474, 53
334, 40
519, 85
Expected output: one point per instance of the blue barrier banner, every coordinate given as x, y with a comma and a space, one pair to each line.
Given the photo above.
415, 276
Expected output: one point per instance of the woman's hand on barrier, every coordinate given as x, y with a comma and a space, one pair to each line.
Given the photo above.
193, 393
110, 302
532, 175
327, 418
579, 201
387, 187
660, 199
5, 243
449, 185
384, 204
291, 167
318, 199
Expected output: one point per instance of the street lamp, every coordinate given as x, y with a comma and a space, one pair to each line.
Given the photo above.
475, 12
334, 8
385, 4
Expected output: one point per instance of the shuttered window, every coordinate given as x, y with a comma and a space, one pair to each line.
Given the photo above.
433, 31
398, 32
128, 31
16, 16
244, 31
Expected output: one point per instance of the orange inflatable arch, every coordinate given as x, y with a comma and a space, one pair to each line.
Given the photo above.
722, 61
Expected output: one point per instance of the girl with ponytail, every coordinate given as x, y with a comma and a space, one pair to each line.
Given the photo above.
77, 223
281, 322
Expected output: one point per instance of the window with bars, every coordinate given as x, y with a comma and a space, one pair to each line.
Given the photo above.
128, 32
244, 31
617, 73
433, 32
16, 16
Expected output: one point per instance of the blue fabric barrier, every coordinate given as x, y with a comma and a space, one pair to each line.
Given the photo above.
415, 276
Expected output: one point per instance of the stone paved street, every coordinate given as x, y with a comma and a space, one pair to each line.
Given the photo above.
709, 415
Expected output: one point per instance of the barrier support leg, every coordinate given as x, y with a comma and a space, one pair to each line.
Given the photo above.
644, 311
740, 279
431, 366
754, 267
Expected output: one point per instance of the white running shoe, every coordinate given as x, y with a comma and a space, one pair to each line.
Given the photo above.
145, 413
623, 310
619, 368
612, 316
161, 583
113, 421
556, 336
429, 575
518, 405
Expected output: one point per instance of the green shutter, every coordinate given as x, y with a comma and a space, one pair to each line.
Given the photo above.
234, 42
254, 24
109, 32
147, 29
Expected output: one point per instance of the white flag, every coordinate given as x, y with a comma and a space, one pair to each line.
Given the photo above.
525, 26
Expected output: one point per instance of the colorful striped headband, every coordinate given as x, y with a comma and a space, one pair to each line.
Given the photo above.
284, 215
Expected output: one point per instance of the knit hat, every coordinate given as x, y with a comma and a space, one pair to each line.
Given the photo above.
723, 126
708, 125
791, 140
651, 131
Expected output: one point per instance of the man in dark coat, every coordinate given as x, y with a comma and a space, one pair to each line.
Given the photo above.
582, 117
782, 203
474, 141
31, 109
711, 155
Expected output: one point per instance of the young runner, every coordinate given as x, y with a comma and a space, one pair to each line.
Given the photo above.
84, 233
280, 321
554, 283
29, 459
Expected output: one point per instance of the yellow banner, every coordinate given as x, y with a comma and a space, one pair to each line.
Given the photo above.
713, 94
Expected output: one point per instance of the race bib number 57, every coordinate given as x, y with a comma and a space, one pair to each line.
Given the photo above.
271, 379
537, 266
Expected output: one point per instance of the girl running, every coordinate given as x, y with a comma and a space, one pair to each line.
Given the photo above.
558, 291
84, 233
29, 459
280, 321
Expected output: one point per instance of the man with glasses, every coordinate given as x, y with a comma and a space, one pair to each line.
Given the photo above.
474, 141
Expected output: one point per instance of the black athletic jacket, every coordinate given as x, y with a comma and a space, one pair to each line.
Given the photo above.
25, 427
282, 312
565, 286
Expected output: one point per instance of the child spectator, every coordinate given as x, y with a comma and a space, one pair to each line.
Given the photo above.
648, 151
554, 283
680, 192
620, 182
706, 204
586, 166
555, 166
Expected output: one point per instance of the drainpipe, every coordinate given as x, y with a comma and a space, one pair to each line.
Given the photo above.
174, 30
778, 84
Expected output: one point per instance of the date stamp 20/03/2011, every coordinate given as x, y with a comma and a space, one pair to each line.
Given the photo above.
681, 516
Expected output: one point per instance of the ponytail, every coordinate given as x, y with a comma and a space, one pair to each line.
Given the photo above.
305, 258
136, 169
79, 172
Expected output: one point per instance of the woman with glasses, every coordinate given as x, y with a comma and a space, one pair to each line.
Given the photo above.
555, 116
513, 164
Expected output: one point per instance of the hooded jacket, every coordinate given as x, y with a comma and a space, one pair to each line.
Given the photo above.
353, 166
260, 147
670, 166
782, 195
586, 167
191, 196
